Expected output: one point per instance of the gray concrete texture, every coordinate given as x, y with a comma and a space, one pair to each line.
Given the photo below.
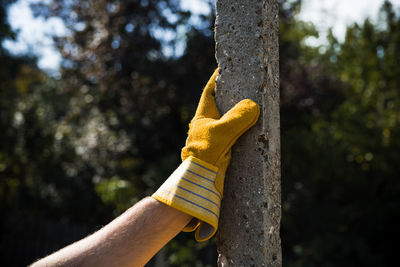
247, 52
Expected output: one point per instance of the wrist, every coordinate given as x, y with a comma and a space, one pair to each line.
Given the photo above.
191, 189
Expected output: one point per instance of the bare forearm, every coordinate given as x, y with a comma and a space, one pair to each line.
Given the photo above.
130, 240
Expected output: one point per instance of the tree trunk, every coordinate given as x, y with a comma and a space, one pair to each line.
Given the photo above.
247, 54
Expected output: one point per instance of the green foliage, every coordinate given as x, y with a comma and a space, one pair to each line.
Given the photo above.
116, 191
340, 164
78, 151
82, 149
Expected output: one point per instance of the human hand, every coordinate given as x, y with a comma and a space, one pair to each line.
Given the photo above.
196, 187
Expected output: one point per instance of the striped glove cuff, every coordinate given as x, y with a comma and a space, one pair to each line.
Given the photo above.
191, 189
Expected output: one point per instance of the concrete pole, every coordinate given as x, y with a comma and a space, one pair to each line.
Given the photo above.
247, 52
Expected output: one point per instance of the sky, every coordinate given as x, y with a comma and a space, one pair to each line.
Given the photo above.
337, 14
35, 33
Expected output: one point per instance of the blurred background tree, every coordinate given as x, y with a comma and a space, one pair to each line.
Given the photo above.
79, 149
340, 116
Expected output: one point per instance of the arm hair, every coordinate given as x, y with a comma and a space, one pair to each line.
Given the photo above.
131, 239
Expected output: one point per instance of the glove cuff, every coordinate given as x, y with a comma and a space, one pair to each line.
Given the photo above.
191, 189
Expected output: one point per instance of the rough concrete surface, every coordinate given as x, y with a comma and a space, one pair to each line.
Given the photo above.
247, 53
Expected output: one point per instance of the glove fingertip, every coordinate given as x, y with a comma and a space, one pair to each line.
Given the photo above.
250, 104
250, 110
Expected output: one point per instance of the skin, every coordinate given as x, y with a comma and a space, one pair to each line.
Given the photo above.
131, 239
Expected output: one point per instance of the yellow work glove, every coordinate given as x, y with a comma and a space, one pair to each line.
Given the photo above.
196, 187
